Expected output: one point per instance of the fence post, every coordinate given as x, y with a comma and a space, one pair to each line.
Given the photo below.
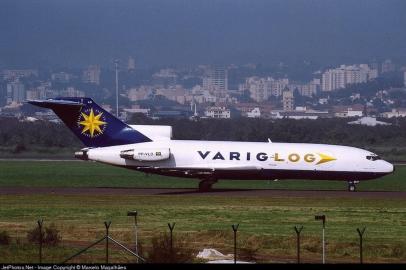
40, 222
171, 227
298, 230
107, 225
235, 228
361, 234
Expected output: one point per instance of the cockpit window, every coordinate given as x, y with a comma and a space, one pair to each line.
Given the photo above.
373, 157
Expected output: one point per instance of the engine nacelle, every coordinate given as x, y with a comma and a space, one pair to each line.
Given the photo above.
82, 154
146, 154
155, 133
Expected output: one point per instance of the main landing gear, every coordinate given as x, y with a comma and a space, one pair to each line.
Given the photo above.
206, 184
352, 185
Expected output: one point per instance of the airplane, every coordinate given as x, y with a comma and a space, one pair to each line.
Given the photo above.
151, 149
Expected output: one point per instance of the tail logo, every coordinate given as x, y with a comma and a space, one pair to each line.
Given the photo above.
92, 122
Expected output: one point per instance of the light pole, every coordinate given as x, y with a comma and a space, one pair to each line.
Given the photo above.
116, 64
323, 218
134, 214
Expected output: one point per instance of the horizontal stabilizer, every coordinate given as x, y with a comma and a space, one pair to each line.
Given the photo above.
49, 103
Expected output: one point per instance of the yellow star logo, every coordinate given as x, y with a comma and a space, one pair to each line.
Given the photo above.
324, 159
92, 123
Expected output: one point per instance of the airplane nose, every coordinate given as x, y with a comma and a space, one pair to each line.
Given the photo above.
391, 167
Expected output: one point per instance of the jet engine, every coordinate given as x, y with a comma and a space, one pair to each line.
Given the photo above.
146, 154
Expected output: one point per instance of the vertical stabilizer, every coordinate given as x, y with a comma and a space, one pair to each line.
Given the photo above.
93, 125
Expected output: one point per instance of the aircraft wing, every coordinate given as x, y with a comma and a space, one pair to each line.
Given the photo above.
228, 167
196, 171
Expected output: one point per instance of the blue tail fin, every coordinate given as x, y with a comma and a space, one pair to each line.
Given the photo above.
94, 126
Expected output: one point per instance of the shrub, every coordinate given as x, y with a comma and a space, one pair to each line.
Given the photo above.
50, 235
248, 249
19, 148
161, 250
4, 238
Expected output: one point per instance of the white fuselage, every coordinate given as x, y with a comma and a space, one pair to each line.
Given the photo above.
249, 160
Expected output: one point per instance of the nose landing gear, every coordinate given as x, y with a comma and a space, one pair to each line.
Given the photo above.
352, 185
206, 184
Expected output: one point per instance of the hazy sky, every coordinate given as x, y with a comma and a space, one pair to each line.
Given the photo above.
80, 32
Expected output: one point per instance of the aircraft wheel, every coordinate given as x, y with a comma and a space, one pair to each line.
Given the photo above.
351, 186
206, 185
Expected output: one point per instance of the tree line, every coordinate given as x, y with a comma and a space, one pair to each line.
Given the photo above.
29, 135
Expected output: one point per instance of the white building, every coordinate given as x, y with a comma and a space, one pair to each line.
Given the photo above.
323, 101
62, 77
12, 74
72, 92
349, 112
258, 88
166, 77
387, 66
277, 86
307, 89
92, 74
217, 112
216, 80
32, 94
140, 93
311, 88
343, 76
15, 92
43, 91
254, 113
261, 89
131, 64
298, 115
288, 101
394, 113
404, 78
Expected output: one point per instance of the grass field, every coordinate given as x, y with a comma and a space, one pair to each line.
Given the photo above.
266, 224
91, 174
205, 222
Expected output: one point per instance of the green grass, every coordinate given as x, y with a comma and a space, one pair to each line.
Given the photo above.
205, 221
80, 174
91, 174
37, 153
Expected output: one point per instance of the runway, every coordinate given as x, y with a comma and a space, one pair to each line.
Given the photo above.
193, 192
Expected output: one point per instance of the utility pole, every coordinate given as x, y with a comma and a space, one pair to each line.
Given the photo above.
116, 65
